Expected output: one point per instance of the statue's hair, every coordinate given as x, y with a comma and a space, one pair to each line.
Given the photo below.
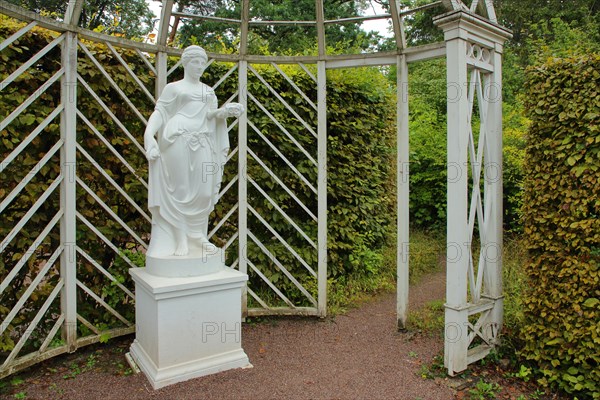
191, 52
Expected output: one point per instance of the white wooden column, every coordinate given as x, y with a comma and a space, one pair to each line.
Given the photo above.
493, 192
322, 161
402, 263
243, 179
469, 38
457, 237
161, 56
161, 73
243, 154
68, 133
322, 187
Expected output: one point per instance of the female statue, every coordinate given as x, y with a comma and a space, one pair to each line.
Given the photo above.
186, 145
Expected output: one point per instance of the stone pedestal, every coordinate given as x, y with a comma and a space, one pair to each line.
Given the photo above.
188, 326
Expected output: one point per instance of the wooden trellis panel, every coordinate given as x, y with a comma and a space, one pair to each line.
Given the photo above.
60, 271
71, 251
265, 157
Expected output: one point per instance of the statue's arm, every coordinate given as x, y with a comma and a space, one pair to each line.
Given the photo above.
168, 96
229, 110
218, 113
150, 143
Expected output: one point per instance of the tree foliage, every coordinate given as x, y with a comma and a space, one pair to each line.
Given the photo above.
131, 18
274, 39
419, 26
521, 16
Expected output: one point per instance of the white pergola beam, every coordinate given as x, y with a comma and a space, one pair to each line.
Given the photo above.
73, 12
165, 21
322, 186
320, 27
244, 27
68, 188
243, 179
398, 25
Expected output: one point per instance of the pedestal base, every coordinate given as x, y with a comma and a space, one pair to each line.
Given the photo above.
188, 327
195, 264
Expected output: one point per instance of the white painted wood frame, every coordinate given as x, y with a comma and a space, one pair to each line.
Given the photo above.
473, 310
474, 284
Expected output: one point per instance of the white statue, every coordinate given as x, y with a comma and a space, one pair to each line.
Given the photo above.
186, 145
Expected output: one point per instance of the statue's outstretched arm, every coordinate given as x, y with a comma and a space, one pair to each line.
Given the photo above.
230, 110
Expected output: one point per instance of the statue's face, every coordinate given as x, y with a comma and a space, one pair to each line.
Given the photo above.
195, 67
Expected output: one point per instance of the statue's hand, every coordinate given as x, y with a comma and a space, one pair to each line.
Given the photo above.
152, 151
234, 110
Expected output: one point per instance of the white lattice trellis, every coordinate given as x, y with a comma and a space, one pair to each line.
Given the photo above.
473, 48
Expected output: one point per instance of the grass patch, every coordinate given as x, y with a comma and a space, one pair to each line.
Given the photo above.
374, 272
427, 255
348, 291
514, 283
428, 319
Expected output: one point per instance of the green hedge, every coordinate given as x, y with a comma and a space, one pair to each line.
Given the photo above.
562, 224
360, 166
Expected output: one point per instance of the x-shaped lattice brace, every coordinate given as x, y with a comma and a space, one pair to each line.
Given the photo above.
487, 332
483, 7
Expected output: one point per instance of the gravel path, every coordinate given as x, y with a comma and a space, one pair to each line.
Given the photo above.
359, 355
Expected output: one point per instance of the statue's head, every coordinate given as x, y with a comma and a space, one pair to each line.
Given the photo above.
191, 52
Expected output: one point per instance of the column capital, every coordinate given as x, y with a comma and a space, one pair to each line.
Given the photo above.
473, 28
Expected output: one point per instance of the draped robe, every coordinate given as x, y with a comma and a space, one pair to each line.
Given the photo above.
184, 181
